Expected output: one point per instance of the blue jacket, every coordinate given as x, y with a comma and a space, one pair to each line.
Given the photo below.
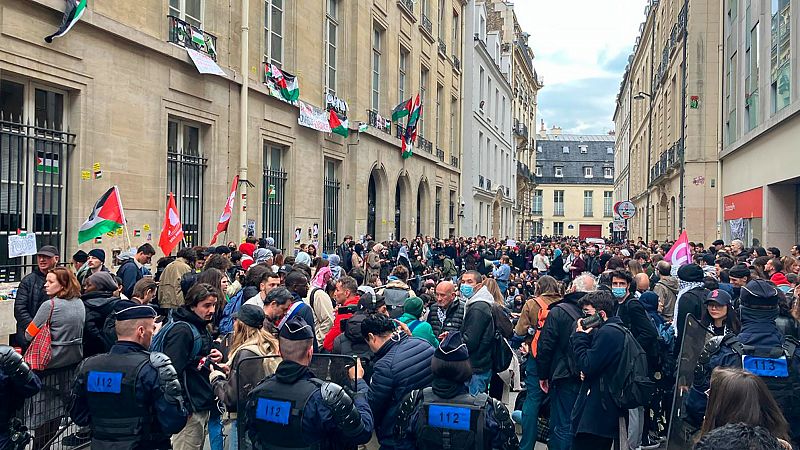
171, 417
597, 354
760, 333
130, 274
400, 366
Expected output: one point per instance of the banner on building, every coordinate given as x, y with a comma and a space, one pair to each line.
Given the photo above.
313, 117
204, 63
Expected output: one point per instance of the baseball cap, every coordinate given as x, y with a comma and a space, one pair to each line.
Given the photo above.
47, 250
719, 297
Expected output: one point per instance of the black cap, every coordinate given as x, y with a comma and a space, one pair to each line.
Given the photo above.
371, 302
739, 271
129, 310
47, 250
296, 329
222, 250
80, 256
286, 268
98, 253
250, 315
690, 272
718, 242
759, 293
719, 297
452, 348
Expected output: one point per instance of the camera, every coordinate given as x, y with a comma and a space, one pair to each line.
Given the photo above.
592, 321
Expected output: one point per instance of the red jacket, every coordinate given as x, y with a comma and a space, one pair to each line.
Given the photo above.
336, 329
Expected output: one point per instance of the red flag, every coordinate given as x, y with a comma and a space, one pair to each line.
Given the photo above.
172, 232
225, 218
680, 253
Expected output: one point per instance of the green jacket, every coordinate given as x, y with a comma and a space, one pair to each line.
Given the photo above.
421, 329
449, 268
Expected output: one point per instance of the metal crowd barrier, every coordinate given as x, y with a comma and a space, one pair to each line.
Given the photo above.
46, 415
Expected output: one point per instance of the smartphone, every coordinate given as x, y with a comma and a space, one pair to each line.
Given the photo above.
592, 321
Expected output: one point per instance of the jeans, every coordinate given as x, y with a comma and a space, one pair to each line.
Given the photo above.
479, 382
563, 394
530, 408
635, 427
216, 439
503, 285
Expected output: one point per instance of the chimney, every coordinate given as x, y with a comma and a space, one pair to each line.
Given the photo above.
556, 130
612, 133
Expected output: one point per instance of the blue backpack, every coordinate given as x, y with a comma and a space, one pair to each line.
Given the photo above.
226, 323
159, 340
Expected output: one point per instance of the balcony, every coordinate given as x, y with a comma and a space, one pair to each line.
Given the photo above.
427, 26
407, 6
442, 49
520, 129
188, 36
524, 171
488, 184
454, 161
456, 62
375, 120
558, 209
440, 154
669, 159
480, 181
425, 145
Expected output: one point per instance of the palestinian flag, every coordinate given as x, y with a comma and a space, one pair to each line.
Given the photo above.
402, 110
410, 135
107, 216
197, 38
286, 82
72, 14
338, 125
47, 163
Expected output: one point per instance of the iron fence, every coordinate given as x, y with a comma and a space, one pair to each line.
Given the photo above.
34, 163
272, 205
427, 25
185, 173
46, 413
330, 219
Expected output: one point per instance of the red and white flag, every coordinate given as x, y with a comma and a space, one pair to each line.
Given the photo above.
172, 232
225, 218
680, 253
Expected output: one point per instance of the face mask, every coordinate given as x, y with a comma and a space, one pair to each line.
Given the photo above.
619, 292
467, 290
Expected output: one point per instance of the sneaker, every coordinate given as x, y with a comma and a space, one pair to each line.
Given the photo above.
648, 443
516, 416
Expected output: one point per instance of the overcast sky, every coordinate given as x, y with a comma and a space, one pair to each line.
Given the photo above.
581, 48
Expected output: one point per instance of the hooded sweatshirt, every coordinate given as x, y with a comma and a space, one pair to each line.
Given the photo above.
478, 330
667, 290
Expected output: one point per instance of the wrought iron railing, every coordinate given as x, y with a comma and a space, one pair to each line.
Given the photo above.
520, 129
456, 62
668, 159
272, 204
488, 184
34, 169
189, 36
330, 219
425, 145
454, 161
427, 25
440, 154
407, 5
377, 121
442, 48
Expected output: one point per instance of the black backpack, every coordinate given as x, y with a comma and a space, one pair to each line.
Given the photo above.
501, 349
629, 385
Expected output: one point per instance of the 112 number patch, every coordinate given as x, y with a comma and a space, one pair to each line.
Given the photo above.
273, 411
104, 382
450, 417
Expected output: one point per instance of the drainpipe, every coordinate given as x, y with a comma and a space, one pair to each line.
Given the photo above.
721, 121
650, 127
683, 117
243, 114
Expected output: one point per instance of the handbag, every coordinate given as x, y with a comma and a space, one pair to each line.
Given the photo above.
40, 352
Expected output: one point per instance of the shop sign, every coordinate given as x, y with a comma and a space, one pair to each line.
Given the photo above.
744, 205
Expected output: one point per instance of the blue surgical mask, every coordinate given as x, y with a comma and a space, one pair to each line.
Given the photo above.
619, 292
467, 290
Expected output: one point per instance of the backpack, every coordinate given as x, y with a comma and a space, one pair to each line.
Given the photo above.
158, 343
395, 298
501, 349
226, 323
544, 310
629, 385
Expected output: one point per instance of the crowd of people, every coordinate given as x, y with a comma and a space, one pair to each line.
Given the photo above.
440, 332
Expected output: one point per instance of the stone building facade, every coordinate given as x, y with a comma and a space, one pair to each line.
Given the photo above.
575, 184
117, 101
517, 63
674, 83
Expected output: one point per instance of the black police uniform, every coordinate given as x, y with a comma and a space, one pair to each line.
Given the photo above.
17, 382
294, 410
130, 398
446, 416
759, 348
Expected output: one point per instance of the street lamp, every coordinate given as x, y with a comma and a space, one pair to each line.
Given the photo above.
641, 95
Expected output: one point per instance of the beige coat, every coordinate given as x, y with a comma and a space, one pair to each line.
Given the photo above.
169, 289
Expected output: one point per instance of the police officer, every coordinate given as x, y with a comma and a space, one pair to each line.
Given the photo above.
294, 410
759, 348
130, 398
17, 382
446, 415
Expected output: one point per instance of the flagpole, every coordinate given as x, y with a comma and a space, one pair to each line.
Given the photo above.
124, 219
127, 235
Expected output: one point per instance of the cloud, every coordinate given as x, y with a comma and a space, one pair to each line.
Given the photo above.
581, 49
